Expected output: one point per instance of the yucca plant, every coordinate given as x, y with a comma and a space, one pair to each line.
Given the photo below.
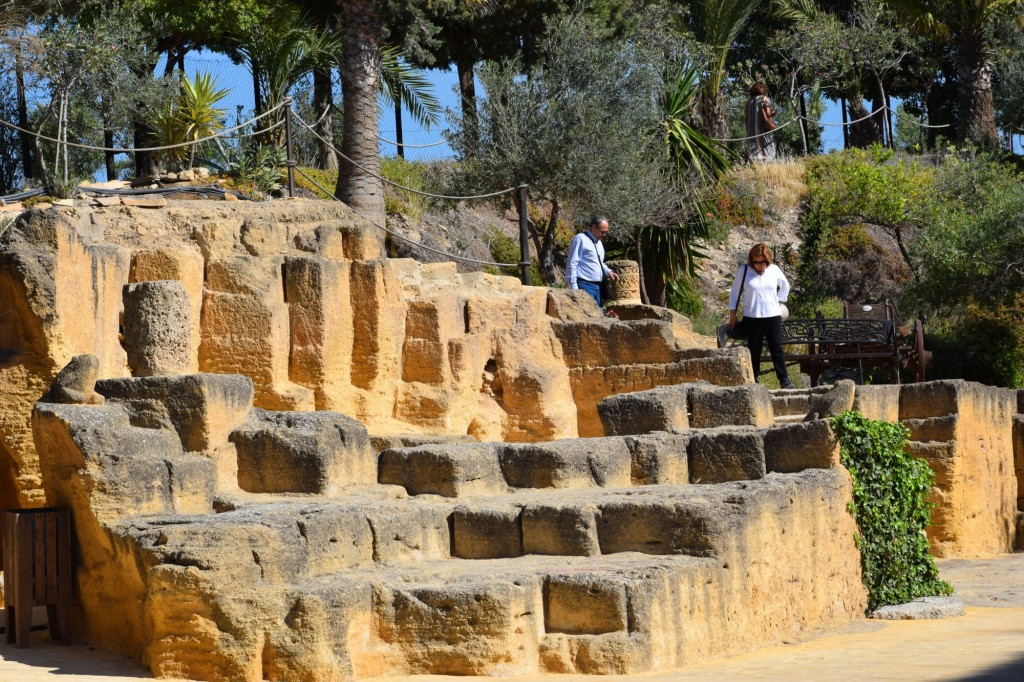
689, 150
197, 110
169, 131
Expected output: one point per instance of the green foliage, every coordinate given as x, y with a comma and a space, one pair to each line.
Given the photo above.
971, 274
889, 506
739, 201
192, 117
684, 298
863, 209
411, 174
324, 178
411, 87
258, 171
504, 249
689, 150
581, 130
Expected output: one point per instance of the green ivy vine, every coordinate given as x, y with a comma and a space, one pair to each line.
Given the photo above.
889, 506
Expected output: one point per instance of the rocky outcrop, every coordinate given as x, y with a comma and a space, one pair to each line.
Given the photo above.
447, 566
964, 431
297, 296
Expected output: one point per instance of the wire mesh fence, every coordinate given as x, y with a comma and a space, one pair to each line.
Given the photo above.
402, 133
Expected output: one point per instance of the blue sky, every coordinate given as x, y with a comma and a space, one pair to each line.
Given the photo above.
445, 82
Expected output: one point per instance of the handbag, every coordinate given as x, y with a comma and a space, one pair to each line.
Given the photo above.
739, 330
769, 123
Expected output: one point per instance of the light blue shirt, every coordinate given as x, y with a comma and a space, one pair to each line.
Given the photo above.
586, 260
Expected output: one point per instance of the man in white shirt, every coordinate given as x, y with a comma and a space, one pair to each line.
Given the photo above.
586, 267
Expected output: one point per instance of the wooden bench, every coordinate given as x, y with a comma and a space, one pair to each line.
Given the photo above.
868, 335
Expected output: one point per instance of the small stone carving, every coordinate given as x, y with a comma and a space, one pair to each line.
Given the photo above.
627, 289
76, 383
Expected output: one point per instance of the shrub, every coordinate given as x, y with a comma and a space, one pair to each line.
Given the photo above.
863, 209
889, 506
684, 298
504, 249
327, 179
408, 174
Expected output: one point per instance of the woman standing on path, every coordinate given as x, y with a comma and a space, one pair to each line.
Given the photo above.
760, 120
763, 288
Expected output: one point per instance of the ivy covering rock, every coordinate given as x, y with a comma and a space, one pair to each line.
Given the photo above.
889, 506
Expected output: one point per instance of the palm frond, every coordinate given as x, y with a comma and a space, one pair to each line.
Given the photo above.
410, 85
689, 150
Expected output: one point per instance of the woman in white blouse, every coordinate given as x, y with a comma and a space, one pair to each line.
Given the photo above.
764, 288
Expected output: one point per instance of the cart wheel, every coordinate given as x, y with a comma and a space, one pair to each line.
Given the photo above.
919, 350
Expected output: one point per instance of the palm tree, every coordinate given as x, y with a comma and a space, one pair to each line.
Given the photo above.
359, 183
966, 23
404, 86
696, 161
717, 23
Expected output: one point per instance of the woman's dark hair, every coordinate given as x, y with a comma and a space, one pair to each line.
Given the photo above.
758, 89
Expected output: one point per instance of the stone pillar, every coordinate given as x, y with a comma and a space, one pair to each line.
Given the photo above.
157, 328
627, 289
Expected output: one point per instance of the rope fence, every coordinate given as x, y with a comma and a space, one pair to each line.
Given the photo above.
403, 237
134, 150
291, 115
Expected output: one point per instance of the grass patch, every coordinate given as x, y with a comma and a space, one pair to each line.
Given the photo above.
328, 179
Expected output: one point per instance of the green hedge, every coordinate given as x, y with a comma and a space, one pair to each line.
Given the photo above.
889, 505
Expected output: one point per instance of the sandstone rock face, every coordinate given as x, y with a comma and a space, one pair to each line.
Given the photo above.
839, 399
60, 296
296, 296
1018, 457
302, 452
157, 328
964, 431
225, 531
651, 573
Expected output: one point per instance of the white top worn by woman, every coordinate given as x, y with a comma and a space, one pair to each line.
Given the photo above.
762, 293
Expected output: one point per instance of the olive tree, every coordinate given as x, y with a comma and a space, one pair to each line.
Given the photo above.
581, 128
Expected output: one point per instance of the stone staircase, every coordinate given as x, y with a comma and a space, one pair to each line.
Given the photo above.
792, 404
623, 554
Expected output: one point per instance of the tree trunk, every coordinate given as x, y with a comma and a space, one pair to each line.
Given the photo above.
655, 286
399, 139
803, 123
323, 106
846, 119
257, 92
974, 71
546, 253
713, 115
467, 88
25, 138
145, 162
865, 132
938, 115
359, 185
108, 156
